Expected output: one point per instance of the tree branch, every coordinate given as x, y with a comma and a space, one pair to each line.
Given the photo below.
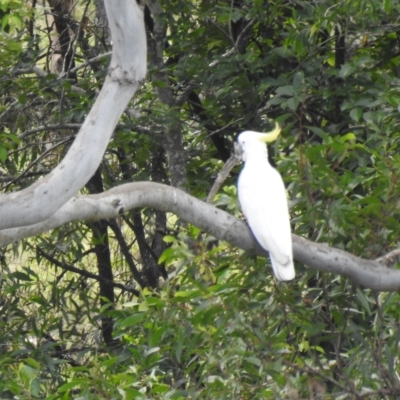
86, 274
43, 74
216, 222
36, 161
127, 69
233, 160
43, 128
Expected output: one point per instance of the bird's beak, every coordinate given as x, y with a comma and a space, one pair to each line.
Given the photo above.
270, 136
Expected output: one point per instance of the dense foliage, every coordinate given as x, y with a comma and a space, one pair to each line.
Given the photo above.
196, 318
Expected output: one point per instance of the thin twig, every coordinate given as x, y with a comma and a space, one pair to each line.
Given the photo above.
233, 160
30, 132
88, 62
33, 163
84, 273
43, 74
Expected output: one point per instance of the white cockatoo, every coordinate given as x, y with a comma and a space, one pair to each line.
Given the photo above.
263, 200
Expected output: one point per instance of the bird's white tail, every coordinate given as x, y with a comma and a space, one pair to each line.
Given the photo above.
283, 272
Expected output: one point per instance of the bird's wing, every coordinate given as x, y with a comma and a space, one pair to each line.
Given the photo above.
263, 200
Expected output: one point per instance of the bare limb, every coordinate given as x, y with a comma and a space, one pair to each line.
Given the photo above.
89, 62
37, 161
216, 222
127, 70
238, 45
86, 274
43, 128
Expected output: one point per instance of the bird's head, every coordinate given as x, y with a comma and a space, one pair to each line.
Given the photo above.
251, 141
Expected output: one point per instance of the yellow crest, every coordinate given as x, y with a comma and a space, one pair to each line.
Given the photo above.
271, 136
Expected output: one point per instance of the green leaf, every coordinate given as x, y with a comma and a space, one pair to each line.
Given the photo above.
293, 103
346, 70
348, 137
298, 79
186, 293
167, 254
288, 90
169, 239
132, 320
362, 298
15, 21
356, 113
22, 276
72, 384
253, 360
143, 307
3, 154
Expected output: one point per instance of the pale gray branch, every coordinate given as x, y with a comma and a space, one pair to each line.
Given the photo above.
127, 70
216, 222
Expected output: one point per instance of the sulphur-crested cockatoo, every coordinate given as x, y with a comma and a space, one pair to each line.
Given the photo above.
262, 196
